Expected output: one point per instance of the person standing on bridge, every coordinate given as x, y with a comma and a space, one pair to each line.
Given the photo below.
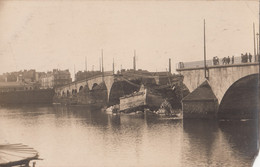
228, 60
246, 58
214, 60
224, 60
232, 59
250, 57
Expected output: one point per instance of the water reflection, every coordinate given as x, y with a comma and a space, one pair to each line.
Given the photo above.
80, 136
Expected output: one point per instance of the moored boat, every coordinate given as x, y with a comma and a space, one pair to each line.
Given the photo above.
17, 155
139, 100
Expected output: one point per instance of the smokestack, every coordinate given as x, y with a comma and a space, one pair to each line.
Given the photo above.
134, 62
170, 66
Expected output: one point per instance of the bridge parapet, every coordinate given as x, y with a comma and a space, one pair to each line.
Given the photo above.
215, 63
217, 66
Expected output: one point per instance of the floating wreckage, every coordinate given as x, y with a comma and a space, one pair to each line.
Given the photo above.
17, 155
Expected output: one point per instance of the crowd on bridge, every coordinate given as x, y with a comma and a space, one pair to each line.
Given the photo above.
225, 60
246, 58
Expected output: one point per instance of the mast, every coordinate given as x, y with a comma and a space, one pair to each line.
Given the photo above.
205, 64
86, 69
102, 65
257, 44
113, 66
254, 40
86, 64
75, 77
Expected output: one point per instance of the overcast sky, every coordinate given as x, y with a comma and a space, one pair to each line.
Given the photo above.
43, 35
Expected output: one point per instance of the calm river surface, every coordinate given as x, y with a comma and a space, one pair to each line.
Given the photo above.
78, 136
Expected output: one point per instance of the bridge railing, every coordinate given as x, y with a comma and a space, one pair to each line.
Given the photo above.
211, 62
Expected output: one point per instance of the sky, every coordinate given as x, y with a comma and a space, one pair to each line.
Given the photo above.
44, 35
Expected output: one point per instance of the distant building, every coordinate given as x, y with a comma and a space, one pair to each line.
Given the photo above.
81, 75
55, 78
16, 86
20, 76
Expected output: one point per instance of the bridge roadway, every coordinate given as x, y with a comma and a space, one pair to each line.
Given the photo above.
223, 79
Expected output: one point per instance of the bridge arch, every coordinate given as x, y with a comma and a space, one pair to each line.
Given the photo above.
121, 88
94, 85
100, 93
80, 88
241, 100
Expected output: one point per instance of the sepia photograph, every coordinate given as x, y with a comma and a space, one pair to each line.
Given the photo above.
129, 83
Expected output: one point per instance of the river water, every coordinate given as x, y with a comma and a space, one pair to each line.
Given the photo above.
78, 136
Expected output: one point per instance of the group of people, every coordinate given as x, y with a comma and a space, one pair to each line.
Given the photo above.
225, 60
215, 60
246, 58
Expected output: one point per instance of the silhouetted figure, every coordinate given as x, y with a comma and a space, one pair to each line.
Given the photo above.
250, 57
228, 60
224, 60
246, 58
181, 64
232, 59
214, 61
217, 59
242, 58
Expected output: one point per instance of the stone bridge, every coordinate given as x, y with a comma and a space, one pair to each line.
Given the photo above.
235, 86
116, 85
74, 87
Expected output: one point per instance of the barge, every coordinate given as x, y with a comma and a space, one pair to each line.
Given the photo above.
139, 100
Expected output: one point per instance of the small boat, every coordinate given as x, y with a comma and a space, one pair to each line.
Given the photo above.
17, 155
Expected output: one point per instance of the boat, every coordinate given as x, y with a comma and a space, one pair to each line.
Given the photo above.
137, 101
17, 155
20, 93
